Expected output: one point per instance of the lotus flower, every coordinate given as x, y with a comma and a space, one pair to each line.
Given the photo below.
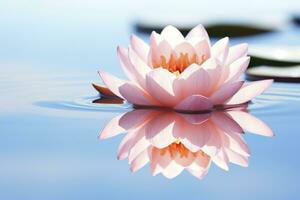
172, 142
183, 73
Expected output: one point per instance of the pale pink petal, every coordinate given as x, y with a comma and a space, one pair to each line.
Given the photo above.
236, 52
172, 35
225, 92
202, 50
140, 47
155, 168
193, 136
237, 158
159, 131
194, 80
172, 170
221, 160
112, 82
220, 49
184, 48
252, 124
126, 144
160, 86
198, 32
126, 65
236, 143
237, 68
214, 69
214, 144
112, 128
141, 145
249, 91
136, 118
140, 161
224, 121
139, 66
163, 49
135, 95
196, 118
194, 103
184, 160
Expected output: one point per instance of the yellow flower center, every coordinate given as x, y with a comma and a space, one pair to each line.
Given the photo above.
177, 65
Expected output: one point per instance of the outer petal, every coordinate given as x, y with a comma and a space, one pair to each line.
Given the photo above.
251, 123
172, 35
159, 131
140, 47
172, 170
249, 91
237, 68
112, 128
112, 82
199, 32
160, 86
194, 80
225, 92
220, 50
140, 161
236, 52
136, 95
194, 103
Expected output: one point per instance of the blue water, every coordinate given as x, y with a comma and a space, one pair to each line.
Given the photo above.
49, 127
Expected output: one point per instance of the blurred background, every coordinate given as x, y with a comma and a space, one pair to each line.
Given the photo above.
50, 52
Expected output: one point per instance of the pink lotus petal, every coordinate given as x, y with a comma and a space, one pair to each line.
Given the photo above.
224, 121
163, 49
112, 82
172, 35
236, 143
160, 86
237, 158
236, 52
126, 64
202, 49
140, 146
194, 103
127, 142
159, 131
139, 66
252, 124
135, 95
194, 80
196, 118
198, 32
237, 68
225, 92
221, 160
184, 48
172, 170
220, 50
112, 128
136, 118
249, 91
140, 161
140, 47
193, 136
214, 69
184, 161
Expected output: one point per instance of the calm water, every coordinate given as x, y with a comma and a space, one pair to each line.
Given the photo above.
49, 127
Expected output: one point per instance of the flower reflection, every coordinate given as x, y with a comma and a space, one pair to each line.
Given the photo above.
171, 142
